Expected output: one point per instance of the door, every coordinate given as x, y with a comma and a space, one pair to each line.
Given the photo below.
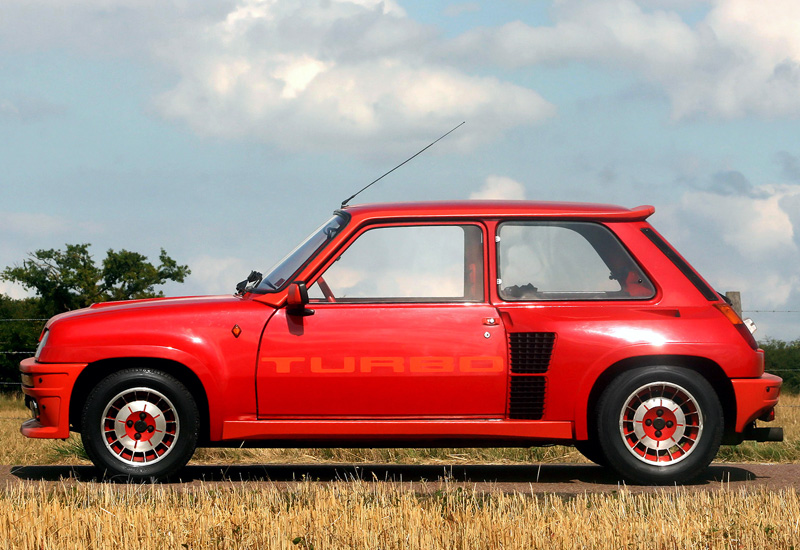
400, 328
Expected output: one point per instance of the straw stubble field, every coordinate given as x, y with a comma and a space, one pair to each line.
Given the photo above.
372, 514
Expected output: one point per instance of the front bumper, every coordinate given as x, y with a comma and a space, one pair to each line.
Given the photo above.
755, 398
48, 388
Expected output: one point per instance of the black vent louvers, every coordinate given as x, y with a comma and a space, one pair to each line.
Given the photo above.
530, 354
526, 398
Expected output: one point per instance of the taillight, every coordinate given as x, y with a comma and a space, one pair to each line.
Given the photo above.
737, 322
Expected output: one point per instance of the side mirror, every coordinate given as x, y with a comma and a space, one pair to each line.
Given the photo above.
296, 300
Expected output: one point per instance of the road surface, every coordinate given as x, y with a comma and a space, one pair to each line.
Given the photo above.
561, 479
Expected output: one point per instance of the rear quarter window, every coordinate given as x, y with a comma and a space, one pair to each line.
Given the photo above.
566, 261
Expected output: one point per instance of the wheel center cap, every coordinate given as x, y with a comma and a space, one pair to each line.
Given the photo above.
659, 423
140, 426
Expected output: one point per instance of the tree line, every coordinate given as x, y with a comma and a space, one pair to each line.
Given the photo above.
66, 279
783, 358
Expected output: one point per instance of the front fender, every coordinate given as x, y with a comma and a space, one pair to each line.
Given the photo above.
217, 342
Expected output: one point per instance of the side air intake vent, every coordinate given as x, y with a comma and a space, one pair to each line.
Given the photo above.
526, 399
530, 351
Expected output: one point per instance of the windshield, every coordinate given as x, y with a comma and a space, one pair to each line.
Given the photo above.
282, 272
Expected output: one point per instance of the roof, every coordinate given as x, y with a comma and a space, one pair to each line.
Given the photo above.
500, 209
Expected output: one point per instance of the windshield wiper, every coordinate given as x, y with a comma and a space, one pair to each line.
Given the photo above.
252, 281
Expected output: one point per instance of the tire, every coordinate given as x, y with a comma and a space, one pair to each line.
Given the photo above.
591, 450
140, 424
659, 425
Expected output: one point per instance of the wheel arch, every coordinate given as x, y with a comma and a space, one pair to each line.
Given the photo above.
708, 369
94, 372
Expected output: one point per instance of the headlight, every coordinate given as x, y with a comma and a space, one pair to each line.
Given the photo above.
27, 380
42, 344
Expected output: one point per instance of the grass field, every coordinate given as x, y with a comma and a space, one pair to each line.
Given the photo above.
376, 515
356, 514
20, 450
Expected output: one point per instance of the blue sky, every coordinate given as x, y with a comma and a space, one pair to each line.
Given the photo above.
224, 131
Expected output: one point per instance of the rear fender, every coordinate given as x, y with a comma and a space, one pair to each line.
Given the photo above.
592, 387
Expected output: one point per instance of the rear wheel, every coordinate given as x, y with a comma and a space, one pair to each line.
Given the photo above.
591, 450
659, 425
141, 424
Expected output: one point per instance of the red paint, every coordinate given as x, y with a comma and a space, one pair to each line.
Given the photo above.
754, 397
397, 373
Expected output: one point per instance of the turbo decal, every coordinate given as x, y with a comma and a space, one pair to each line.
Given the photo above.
387, 365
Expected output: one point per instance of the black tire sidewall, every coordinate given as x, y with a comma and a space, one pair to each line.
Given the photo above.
112, 385
590, 450
616, 449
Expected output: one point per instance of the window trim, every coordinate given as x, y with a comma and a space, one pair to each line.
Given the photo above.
404, 300
569, 296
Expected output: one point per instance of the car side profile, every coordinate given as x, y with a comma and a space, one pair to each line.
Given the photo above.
474, 323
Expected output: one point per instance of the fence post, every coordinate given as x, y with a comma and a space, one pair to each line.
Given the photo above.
736, 301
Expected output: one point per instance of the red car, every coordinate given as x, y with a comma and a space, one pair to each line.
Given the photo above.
486, 323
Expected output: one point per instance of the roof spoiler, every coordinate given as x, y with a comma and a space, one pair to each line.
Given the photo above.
643, 212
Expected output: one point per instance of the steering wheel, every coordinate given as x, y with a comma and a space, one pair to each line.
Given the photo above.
326, 290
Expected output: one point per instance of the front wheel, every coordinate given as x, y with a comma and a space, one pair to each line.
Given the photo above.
659, 425
141, 424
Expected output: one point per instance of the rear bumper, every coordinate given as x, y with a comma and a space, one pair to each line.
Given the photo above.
755, 397
50, 387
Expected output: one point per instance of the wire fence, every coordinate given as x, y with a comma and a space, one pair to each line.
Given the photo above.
770, 311
21, 352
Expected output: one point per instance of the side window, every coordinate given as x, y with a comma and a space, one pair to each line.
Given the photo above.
566, 261
407, 264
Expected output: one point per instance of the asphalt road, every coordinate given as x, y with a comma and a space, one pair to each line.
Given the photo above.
561, 479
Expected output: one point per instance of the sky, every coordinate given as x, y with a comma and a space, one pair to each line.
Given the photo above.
224, 131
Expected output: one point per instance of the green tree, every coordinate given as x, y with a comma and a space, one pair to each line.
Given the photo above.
68, 279
783, 358
19, 332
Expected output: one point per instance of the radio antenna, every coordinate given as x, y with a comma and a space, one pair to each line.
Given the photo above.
344, 202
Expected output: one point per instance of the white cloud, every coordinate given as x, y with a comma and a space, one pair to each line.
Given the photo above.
614, 31
745, 243
500, 187
211, 275
454, 10
338, 74
30, 224
343, 76
742, 58
748, 243
303, 102
756, 228
13, 290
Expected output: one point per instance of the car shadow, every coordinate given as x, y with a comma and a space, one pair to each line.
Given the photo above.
536, 474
